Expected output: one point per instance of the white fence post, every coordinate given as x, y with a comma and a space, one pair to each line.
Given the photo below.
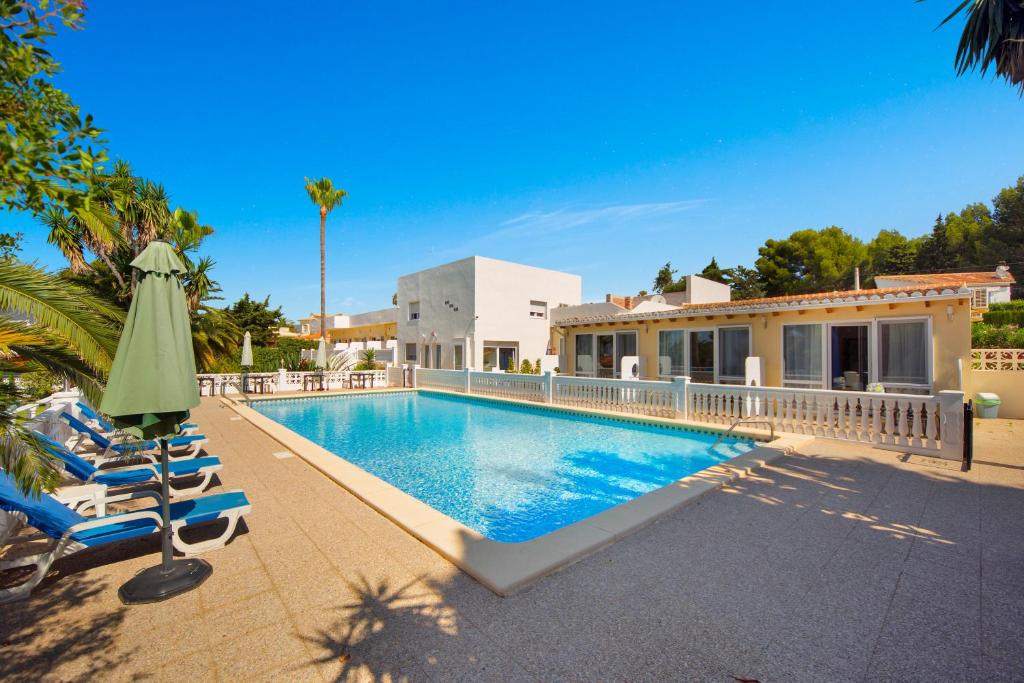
467, 372
679, 385
951, 405
282, 379
549, 386
412, 374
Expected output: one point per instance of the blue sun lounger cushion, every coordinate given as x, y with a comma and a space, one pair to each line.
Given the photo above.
104, 442
83, 469
73, 532
91, 414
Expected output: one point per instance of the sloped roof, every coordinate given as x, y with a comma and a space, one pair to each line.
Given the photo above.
795, 301
954, 279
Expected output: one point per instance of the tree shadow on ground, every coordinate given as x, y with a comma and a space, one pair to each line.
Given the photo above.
385, 630
54, 626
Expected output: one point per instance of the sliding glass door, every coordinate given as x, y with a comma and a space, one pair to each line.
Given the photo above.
600, 355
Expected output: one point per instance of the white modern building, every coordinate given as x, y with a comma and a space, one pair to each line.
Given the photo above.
480, 312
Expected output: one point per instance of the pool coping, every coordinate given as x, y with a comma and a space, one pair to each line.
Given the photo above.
507, 567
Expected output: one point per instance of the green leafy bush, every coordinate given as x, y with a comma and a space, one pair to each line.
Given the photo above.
986, 336
525, 367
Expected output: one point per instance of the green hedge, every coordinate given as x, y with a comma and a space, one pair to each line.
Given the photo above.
1011, 313
986, 336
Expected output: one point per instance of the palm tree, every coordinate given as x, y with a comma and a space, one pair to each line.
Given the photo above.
323, 194
993, 37
53, 325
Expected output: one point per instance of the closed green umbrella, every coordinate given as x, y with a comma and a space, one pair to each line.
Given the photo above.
151, 389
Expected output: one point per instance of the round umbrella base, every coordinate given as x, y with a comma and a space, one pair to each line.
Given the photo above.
156, 583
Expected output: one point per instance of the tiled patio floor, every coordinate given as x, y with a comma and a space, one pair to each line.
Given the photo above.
842, 563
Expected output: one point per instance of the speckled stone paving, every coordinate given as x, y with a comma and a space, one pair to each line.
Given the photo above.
840, 563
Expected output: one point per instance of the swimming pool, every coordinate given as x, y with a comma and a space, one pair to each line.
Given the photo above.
510, 472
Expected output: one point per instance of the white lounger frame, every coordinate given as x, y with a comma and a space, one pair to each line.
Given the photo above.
66, 546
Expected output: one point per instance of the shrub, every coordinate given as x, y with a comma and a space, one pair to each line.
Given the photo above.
986, 336
1004, 314
525, 368
536, 367
511, 366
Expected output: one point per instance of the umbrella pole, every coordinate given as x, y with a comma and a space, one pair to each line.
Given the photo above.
171, 577
167, 540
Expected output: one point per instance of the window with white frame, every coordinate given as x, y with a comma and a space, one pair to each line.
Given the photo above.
733, 349
979, 298
585, 355
904, 353
414, 310
671, 353
410, 353
802, 356
457, 357
538, 309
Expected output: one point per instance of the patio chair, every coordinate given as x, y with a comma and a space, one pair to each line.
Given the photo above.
136, 475
108, 430
70, 532
180, 447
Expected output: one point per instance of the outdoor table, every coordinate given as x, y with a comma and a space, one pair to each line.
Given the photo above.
261, 385
313, 382
361, 377
204, 381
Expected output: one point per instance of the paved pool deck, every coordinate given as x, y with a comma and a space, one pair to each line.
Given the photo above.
838, 563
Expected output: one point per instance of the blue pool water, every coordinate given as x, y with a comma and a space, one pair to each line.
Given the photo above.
512, 473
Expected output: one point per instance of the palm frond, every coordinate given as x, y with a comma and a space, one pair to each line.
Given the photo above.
993, 38
322, 193
21, 454
68, 311
67, 236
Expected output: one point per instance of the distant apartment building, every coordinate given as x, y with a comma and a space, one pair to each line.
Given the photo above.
480, 312
986, 287
372, 329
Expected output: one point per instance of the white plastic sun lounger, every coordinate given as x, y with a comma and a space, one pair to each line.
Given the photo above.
99, 423
180, 447
70, 532
136, 475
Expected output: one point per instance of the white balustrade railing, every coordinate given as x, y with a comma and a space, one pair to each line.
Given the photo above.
452, 380
643, 397
509, 385
989, 360
924, 424
395, 376
931, 425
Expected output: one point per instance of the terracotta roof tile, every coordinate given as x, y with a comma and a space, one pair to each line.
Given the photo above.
793, 301
954, 279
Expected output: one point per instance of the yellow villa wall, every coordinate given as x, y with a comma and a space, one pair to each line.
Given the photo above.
1007, 384
363, 332
951, 338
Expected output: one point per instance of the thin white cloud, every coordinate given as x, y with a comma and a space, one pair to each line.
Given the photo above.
561, 220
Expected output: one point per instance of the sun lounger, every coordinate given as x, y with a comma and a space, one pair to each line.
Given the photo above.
181, 447
97, 422
70, 532
136, 475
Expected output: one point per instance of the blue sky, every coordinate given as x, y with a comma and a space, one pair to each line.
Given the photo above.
598, 138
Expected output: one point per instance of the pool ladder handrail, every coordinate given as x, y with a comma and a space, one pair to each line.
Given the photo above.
745, 420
